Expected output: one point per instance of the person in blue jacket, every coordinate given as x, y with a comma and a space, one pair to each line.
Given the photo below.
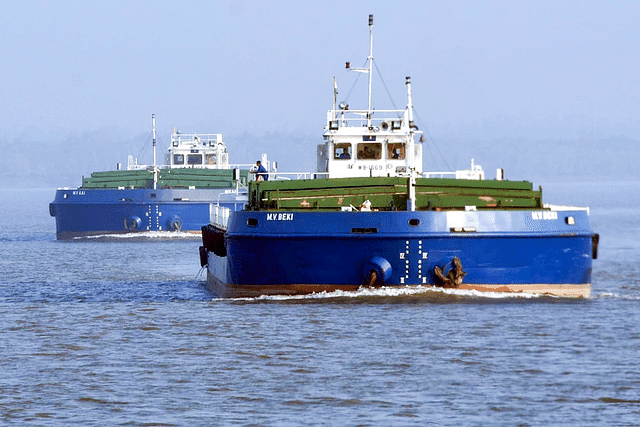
261, 172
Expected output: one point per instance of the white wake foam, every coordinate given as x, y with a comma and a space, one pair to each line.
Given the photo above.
160, 235
394, 291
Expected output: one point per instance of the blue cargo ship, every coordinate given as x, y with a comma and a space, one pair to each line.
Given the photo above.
178, 196
372, 218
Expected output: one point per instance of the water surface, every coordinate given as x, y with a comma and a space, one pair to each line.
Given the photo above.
124, 332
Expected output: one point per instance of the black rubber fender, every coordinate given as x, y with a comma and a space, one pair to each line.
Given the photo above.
204, 256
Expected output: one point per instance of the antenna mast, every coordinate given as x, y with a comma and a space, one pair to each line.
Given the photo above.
155, 167
370, 58
368, 69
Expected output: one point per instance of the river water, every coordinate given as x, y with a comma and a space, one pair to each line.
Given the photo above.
124, 332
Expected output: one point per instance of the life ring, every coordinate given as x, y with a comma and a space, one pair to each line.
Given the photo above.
451, 275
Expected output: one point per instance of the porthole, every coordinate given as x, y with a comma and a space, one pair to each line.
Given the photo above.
252, 222
414, 222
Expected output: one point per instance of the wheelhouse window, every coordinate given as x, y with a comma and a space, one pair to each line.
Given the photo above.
194, 159
369, 151
396, 151
210, 159
342, 151
178, 159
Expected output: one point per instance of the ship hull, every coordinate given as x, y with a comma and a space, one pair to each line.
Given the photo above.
548, 252
96, 212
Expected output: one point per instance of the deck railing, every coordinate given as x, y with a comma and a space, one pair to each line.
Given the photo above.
392, 119
296, 175
245, 166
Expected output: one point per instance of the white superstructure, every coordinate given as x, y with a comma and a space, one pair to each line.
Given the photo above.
197, 150
362, 143
203, 151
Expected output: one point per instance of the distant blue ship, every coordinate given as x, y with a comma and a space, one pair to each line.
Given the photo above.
177, 196
372, 218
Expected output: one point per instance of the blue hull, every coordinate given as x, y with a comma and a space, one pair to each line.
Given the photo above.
534, 251
91, 212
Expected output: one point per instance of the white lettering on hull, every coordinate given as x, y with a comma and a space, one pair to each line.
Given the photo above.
279, 217
545, 215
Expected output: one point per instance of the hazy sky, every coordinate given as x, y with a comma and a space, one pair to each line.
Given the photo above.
480, 69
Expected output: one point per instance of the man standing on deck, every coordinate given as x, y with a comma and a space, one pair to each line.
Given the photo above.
261, 172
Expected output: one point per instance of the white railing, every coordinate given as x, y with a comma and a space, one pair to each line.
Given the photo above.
246, 166
135, 166
475, 173
209, 139
438, 174
462, 174
219, 216
296, 175
394, 119
565, 207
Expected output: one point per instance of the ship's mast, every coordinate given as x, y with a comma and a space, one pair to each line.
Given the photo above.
370, 66
409, 102
155, 167
368, 69
411, 203
410, 117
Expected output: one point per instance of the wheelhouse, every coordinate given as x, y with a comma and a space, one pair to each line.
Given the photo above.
197, 151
